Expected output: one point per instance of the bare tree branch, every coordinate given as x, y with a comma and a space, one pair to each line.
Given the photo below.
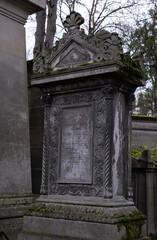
98, 24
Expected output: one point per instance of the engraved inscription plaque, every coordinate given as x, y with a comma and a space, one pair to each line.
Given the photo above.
76, 145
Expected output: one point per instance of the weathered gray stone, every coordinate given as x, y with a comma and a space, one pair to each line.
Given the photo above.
144, 183
14, 137
77, 229
75, 161
76, 47
58, 229
144, 132
85, 185
15, 169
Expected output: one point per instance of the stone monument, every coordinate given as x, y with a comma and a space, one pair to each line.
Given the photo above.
15, 168
87, 85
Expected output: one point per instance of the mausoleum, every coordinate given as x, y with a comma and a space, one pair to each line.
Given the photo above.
87, 86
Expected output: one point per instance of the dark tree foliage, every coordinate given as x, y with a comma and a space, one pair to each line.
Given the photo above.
144, 39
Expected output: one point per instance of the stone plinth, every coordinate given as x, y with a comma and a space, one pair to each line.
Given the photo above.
15, 169
87, 86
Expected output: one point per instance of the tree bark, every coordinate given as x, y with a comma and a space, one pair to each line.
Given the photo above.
51, 25
40, 33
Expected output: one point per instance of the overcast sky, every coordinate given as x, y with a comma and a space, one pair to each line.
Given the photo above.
31, 23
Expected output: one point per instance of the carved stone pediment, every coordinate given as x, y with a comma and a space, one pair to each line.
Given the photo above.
72, 54
76, 47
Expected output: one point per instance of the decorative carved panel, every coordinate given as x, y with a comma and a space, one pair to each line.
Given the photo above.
90, 106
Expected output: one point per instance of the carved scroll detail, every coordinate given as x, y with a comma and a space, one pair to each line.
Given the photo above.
93, 48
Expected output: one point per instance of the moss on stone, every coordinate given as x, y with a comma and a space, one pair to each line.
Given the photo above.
48, 72
137, 150
133, 223
144, 117
131, 70
87, 63
39, 209
62, 69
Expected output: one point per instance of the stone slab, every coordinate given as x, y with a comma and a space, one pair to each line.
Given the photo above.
76, 145
73, 229
58, 229
96, 201
26, 236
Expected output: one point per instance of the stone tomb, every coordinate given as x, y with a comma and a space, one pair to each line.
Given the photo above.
87, 84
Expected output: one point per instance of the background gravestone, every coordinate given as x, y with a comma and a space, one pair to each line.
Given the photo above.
15, 170
87, 84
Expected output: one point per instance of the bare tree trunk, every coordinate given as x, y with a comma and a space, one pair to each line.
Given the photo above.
40, 32
51, 25
43, 45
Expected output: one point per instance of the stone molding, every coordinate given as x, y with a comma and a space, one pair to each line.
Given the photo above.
14, 205
12, 199
13, 16
19, 10
97, 214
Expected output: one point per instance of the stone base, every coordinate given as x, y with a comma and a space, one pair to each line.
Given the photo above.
64, 229
45, 221
12, 209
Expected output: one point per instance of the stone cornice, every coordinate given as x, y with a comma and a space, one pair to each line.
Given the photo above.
82, 71
31, 6
12, 15
97, 214
18, 11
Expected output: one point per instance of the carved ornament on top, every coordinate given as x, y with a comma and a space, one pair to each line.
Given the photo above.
76, 47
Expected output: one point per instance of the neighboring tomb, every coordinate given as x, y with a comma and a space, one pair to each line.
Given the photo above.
87, 85
15, 167
144, 187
